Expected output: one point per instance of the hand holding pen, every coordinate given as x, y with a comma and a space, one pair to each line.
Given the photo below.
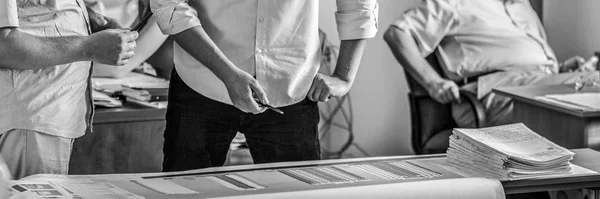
265, 105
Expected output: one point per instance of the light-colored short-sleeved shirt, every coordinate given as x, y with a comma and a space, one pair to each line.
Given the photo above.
276, 41
479, 36
8, 16
52, 100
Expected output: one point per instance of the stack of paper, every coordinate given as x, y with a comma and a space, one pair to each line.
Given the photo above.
132, 80
102, 99
140, 89
508, 152
152, 97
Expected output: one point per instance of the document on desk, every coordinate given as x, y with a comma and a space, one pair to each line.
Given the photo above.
36, 189
578, 101
97, 190
40, 189
517, 141
102, 99
132, 80
164, 186
507, 152
458, 188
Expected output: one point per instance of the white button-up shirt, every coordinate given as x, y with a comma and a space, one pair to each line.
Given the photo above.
479, 36
52, 100
277, 41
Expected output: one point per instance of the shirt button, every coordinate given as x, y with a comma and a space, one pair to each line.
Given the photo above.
258, 51
261, 19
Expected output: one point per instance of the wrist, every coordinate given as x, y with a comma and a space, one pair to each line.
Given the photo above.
432, 83
228, 73
435, 85
82, 49
561, 66
337, 76
344, 81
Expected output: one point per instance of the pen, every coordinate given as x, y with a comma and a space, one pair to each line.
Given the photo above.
269, 107
265, 105
138, 26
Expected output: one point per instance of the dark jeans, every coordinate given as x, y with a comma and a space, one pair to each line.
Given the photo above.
199, 131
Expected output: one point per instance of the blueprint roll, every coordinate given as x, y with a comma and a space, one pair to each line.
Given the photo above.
459, 188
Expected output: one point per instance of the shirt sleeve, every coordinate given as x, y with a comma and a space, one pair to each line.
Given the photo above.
429, 23
357, 19
174, 16
8, 14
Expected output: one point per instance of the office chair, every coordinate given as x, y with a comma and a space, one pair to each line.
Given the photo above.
432, 122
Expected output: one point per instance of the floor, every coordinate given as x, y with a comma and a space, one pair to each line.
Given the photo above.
238, 152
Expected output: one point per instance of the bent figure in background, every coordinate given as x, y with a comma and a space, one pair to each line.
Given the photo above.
482, 44
46, 49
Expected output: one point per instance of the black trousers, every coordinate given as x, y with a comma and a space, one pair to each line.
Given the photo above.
199, 131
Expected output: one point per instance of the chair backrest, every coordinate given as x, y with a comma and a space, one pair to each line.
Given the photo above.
428, 117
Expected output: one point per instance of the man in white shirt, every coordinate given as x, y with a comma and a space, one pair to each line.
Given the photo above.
484, 44
226, 51
46, 49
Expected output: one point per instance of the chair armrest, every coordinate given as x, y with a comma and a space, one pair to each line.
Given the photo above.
477, 107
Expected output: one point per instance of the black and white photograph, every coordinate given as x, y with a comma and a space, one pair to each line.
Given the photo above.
158, 99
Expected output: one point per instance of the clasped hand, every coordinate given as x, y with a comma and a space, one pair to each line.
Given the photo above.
324, 87
578, 64
109, 43
444, 91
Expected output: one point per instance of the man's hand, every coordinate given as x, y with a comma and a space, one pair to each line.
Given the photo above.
572, 64
100, 22
444, 91
324, 87
113, 46
241, 87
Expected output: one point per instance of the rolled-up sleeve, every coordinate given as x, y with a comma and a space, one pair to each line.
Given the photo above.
174, 16
8, 14
429, 23
357, 19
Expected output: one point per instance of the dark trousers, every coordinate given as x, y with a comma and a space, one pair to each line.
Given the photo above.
199, 131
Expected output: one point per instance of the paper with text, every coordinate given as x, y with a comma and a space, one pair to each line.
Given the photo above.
516, 140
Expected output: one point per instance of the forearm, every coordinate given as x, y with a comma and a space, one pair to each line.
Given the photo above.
407, 53
349, 58
205, 51
21, 51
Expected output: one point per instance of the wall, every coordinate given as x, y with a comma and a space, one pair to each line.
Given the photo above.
380, 104
573, 27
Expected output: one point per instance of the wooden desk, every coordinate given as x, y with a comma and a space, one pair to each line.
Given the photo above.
566, 127
125, 140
